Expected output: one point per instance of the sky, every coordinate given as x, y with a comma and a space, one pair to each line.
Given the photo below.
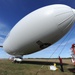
11, 11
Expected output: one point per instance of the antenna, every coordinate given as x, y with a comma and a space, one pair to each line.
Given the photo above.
1, 46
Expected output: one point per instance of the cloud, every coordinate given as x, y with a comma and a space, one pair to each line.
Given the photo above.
71, 41
4, 29
1, 40
3, 54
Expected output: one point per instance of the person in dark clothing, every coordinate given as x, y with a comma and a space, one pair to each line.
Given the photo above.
61, 64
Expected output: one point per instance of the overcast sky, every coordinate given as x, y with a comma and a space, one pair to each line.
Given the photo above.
11, 11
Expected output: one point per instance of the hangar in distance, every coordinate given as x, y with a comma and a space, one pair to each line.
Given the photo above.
39, 29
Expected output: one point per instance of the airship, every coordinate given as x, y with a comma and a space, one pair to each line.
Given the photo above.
39, 29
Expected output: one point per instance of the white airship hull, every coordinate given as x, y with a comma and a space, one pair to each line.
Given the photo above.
41, 27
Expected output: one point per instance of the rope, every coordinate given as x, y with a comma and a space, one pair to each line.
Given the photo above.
49, 57
67, 41
39, 70
56, 49
61, 43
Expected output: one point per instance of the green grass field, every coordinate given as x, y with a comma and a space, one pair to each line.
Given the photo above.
9, 68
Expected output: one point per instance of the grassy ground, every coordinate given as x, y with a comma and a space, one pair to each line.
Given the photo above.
9, 68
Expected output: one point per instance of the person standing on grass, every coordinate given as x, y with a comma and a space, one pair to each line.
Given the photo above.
61, 64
